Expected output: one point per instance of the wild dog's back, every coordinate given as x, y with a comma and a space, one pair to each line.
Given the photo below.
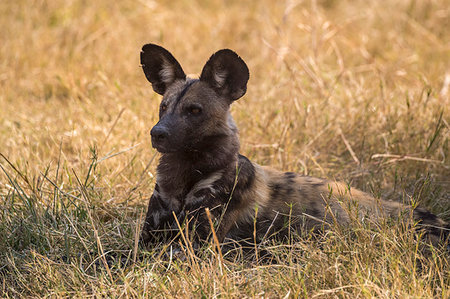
285, 200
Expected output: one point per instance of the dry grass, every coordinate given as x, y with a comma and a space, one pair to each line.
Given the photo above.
353, 90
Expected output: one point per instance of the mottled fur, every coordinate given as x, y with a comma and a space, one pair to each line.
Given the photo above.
201, 167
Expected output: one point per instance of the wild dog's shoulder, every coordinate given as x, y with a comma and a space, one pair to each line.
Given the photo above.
245, 172
252, 176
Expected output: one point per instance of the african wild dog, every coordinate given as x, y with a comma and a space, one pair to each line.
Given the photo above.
200, 166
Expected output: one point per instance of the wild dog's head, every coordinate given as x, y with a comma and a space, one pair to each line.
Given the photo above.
194, 113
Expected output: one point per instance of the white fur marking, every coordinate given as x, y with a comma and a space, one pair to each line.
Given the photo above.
207, 183
231, 124
156, 218
166, 72
203, 184
220, 78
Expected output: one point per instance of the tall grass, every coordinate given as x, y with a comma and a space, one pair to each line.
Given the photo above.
350, 90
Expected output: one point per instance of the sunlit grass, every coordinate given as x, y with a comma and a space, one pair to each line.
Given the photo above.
351, 90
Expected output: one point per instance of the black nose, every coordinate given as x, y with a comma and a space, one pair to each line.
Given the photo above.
158, 133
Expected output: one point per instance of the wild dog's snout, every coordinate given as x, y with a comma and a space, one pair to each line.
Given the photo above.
159, 135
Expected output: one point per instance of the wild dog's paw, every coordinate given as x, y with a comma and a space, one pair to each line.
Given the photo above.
144, 239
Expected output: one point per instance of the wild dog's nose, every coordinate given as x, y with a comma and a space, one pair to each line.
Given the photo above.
158, 133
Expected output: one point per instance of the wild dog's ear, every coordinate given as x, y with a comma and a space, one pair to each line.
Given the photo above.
227, 73
160, 67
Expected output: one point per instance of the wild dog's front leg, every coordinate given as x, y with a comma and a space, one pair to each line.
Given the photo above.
159, 217
196, 205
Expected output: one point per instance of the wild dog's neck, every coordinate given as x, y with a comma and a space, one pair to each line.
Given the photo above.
219, 152
180, 171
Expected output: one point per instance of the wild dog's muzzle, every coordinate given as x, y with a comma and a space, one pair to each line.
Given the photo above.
160, 138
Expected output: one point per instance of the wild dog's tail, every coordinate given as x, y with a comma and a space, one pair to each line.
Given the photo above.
437, 231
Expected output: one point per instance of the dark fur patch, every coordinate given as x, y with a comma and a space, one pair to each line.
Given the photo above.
275, 190
246, 173
318, 184
161, 204
290, 175
202, 192
184, 91
290, 178
289, 190
157, 202
281, 190
425, 216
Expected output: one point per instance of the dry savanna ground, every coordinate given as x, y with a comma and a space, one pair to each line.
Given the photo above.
350, 90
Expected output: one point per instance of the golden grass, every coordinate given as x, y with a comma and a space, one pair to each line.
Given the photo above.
352, 90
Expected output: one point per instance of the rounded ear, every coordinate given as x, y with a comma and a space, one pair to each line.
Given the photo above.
160, 67
227, 73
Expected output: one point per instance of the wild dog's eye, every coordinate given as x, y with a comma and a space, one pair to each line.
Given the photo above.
195, 109
163, 107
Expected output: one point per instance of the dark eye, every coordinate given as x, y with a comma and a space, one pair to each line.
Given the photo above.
194, 109
163, 107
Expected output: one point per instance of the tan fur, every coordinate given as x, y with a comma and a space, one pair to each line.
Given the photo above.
334, 200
